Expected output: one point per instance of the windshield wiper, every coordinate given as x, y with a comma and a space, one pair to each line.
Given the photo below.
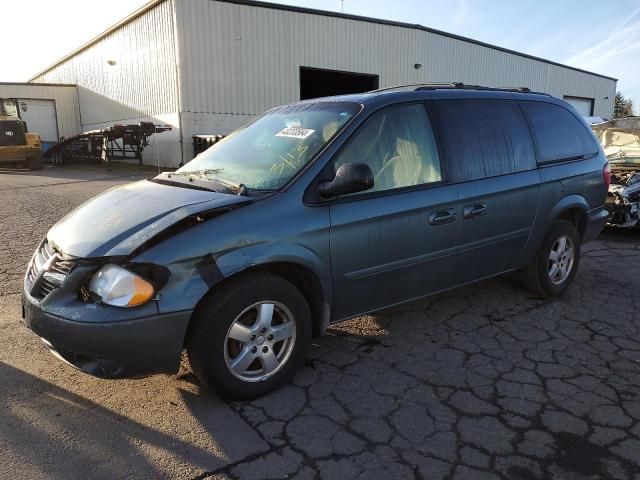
183, 182
206, 171
203, 175
238, 188
210, 174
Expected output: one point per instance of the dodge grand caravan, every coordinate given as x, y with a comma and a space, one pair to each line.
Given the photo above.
314, 213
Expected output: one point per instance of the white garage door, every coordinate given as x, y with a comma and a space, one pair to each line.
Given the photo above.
584, 106
40, 116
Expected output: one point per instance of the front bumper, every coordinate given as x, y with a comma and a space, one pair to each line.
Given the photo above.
127, 348
595, 222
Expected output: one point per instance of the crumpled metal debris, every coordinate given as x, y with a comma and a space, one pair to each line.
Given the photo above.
620, 139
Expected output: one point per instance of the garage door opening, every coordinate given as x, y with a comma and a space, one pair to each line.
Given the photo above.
40, 117
316, 82
583, 105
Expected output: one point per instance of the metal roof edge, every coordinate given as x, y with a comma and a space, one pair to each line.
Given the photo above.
38, 84
275, 6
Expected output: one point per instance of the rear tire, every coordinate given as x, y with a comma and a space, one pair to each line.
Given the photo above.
233, 352
556, 263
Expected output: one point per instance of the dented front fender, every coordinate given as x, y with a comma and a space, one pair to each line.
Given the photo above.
206, 254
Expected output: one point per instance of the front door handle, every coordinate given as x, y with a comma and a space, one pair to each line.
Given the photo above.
442, 217
475, 210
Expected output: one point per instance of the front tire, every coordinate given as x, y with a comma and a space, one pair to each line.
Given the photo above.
249, 336
556, 263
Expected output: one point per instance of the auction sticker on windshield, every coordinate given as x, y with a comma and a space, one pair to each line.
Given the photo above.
295, 132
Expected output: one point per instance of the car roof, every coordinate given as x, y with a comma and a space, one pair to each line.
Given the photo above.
405, 93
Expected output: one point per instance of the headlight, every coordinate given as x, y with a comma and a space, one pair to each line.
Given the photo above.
119, 287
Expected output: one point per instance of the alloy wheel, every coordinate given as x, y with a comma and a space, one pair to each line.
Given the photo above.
260, 341
561, 260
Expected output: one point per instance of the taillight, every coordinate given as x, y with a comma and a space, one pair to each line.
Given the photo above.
606, 174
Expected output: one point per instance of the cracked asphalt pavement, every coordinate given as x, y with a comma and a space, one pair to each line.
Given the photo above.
481, 382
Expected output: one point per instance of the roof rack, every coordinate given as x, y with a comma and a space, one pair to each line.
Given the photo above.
457, 86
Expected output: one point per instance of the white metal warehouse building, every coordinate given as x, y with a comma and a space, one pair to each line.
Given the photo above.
209, 66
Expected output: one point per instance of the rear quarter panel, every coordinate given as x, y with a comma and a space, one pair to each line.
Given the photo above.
563, 186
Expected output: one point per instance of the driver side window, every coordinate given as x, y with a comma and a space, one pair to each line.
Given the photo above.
398, 145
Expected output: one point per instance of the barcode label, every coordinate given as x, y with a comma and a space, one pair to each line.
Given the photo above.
295, 132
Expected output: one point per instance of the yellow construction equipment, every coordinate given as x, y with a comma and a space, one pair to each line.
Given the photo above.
18, 148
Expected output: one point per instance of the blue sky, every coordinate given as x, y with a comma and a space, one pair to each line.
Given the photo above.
596, 35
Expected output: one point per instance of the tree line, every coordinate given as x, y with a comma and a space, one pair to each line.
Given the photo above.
622, 106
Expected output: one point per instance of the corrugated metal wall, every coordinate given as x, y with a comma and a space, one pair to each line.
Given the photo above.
238, 60
65, 97
242, 59
141, 83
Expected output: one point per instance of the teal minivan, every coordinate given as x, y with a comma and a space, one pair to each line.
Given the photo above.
314, 213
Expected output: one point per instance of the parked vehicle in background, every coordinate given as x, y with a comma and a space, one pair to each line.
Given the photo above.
18, 148
620, 139
314, 213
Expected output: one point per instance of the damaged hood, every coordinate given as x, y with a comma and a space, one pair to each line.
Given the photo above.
120, 220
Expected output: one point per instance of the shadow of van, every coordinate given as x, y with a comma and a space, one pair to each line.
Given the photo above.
49, 432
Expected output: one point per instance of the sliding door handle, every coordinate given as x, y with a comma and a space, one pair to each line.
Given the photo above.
475, 210
442, 217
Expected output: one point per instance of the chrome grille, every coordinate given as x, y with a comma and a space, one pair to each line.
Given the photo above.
48, 270
46, 287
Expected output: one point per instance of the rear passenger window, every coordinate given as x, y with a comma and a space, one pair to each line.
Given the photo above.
558, 134
484, 138
399, 146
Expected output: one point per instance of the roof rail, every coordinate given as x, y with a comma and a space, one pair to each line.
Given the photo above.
457, 86
416, 85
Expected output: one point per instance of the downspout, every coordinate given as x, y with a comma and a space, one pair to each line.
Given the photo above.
79, 111
174, 20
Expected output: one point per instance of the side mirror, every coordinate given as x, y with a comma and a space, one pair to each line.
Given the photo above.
350, 178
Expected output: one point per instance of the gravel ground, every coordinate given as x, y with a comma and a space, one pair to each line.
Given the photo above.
482, 382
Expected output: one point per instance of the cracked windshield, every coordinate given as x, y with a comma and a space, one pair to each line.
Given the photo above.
265, 154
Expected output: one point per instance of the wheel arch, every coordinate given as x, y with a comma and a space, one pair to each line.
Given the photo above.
572, 208
313, 281
305, 280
